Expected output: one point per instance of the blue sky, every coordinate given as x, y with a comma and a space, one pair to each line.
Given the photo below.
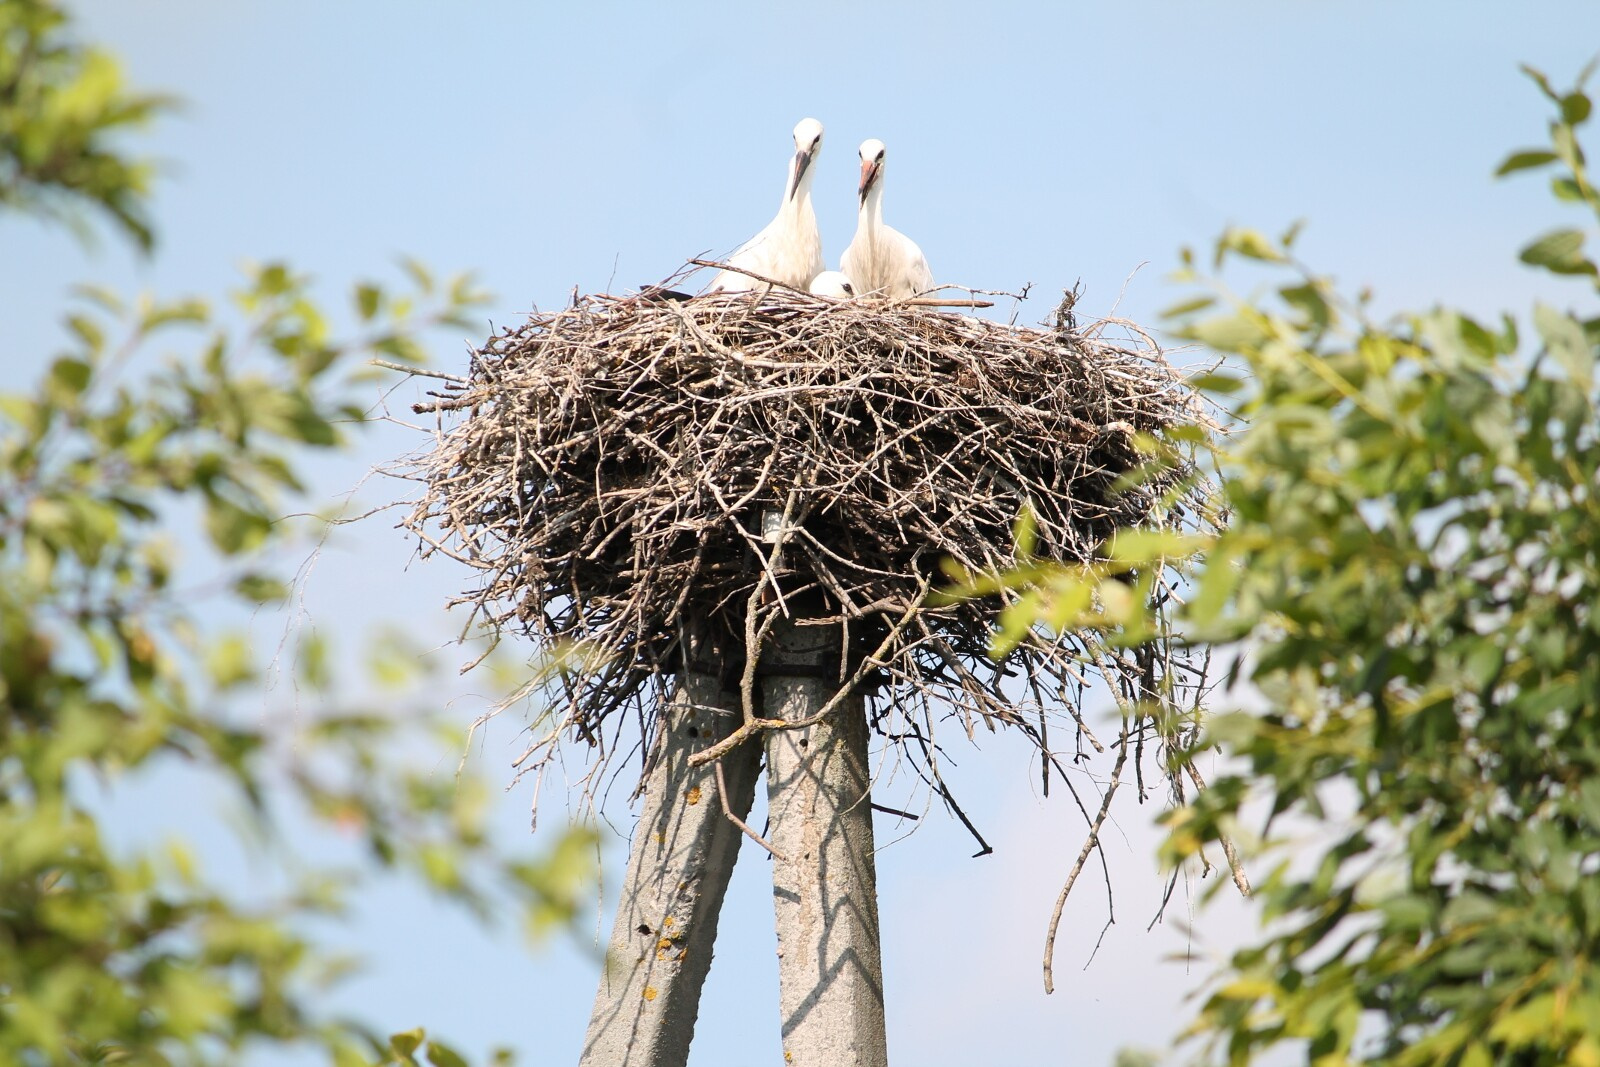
597, 145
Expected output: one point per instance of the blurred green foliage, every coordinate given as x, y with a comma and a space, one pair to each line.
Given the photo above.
111, 667
62, 109
1409, 584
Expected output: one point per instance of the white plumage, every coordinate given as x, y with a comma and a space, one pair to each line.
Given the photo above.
833, 283
789, 250
881, 260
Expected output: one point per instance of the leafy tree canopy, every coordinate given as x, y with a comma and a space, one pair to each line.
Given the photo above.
110, 665
1407, 581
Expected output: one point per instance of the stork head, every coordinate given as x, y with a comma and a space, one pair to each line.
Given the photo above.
871, 166
833, 283
807, 143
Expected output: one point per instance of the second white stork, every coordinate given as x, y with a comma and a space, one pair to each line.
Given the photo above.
881, 260
789, 250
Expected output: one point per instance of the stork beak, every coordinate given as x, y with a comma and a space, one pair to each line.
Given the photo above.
869, 174
802, 160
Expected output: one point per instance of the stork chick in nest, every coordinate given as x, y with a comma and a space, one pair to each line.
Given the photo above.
833, 283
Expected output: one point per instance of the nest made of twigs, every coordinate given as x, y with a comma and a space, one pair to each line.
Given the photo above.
628, 469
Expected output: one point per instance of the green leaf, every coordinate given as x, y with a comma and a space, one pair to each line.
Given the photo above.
1568, 190
1187, 307
1541, 81
1526, 159
1217, 382
89, 332
1252, 244
312, 662
1240, 332
261, 588
1560, 252
182, 311
1564, 338
228, 662
1575, 109
234, 529
273, 279
1188, 432
68, 379
1024, 534
1148, 546
407, 1042
443, 1056
419, 274
393, 661
369, 298
401, 348
1310, 300
1565, 143
104, 298
1408, 912
1527, 1022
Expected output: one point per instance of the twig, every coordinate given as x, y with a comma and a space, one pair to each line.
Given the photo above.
1090, 843
935, 302
746, 273
1240, 879
887, 810
984, 848
753, 726
419, 372
722, 794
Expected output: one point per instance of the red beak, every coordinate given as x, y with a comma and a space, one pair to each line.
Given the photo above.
869, 174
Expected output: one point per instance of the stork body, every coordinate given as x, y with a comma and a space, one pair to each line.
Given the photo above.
789, 249
882, 261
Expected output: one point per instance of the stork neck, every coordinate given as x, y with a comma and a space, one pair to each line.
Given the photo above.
871, 211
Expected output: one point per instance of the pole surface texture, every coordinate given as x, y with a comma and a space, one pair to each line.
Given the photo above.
824, 881
678, 868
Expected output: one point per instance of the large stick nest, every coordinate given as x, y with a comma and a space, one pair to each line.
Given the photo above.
629, 471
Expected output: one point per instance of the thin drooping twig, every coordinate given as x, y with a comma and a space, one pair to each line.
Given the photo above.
1240, 879
984, 848
1090, 843
722, 794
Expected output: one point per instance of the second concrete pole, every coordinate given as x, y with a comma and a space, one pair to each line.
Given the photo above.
824, 878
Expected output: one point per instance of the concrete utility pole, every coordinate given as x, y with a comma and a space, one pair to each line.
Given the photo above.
824, 878
678, 869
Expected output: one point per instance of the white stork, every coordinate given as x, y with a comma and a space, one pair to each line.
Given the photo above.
833, 283
881, 260
789, 250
